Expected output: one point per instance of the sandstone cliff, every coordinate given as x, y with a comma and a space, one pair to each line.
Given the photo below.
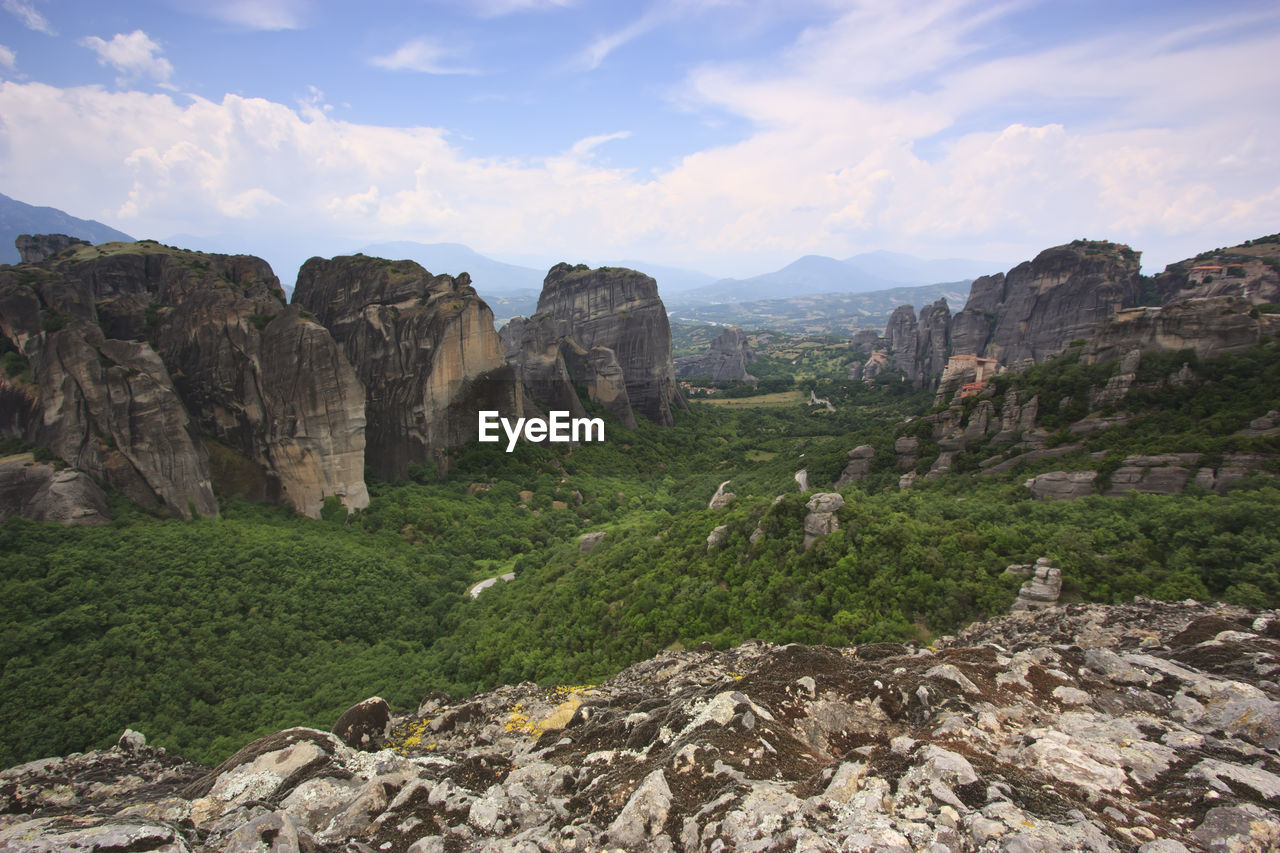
1249, 271
1206, 325
155, 348
726, 361
1145, 726
1040, 306
606, 331
423, 345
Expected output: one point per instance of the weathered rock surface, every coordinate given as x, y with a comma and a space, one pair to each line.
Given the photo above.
34, 248
821, 520
603, 329
1146, 726
588, 542
1041, 305
721, 498
919, 349
1062, 485
1207, 326
726, 361
859, 466
423, 346
41, 493
1042, 590
147, 349
1153, 475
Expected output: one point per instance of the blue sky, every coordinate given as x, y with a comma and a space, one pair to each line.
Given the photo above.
721, 135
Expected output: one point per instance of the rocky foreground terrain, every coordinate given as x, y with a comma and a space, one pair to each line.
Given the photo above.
1149, 726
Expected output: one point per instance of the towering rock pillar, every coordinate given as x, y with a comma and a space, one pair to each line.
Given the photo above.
604, 330
423, 345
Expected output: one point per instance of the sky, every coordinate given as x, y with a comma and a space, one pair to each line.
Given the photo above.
726, 136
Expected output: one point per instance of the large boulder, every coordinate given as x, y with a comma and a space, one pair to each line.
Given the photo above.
860, 459
41, 493
821, 519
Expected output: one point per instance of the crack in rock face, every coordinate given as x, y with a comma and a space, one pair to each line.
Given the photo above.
1147, 726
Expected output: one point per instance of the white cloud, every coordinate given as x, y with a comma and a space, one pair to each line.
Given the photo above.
255, 14
133, 55
590, 143
8, 58
939, 153
30, 17
498, 8
423, 55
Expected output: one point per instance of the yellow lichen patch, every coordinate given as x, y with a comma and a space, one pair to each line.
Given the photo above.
410, 736
562, 714
518, 721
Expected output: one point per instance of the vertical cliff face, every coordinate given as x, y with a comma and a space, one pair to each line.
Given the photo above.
726, 361
605, 330
919, 349
423, 345
1042, 305
206, 349
104, 406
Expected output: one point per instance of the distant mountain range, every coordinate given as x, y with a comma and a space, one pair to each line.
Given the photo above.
823, 313
816, 274
512, 290
18, 217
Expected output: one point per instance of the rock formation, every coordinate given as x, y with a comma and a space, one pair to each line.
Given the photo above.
821, 520
424, 348
140, 352
1207, 326
1040, 306
41, 493
1042, 590
1145, 726
606, 331
721, 498
34, 248
859, 465
588, 542
1153, 475
1062, 485
726, 361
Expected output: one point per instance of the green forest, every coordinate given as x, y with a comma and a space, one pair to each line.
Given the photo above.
204, 634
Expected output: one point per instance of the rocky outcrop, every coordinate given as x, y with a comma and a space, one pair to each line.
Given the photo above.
42, 493
604, 330
1145, 726
1040, 306
721, 498
717, 536
424, 348
859, 466
167, 346
1043, 588
1207, 326
588, 542
1062, 485
1247, 271
34, 248
106, 407
821, 519
1153, 475
726, 361
919, 349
